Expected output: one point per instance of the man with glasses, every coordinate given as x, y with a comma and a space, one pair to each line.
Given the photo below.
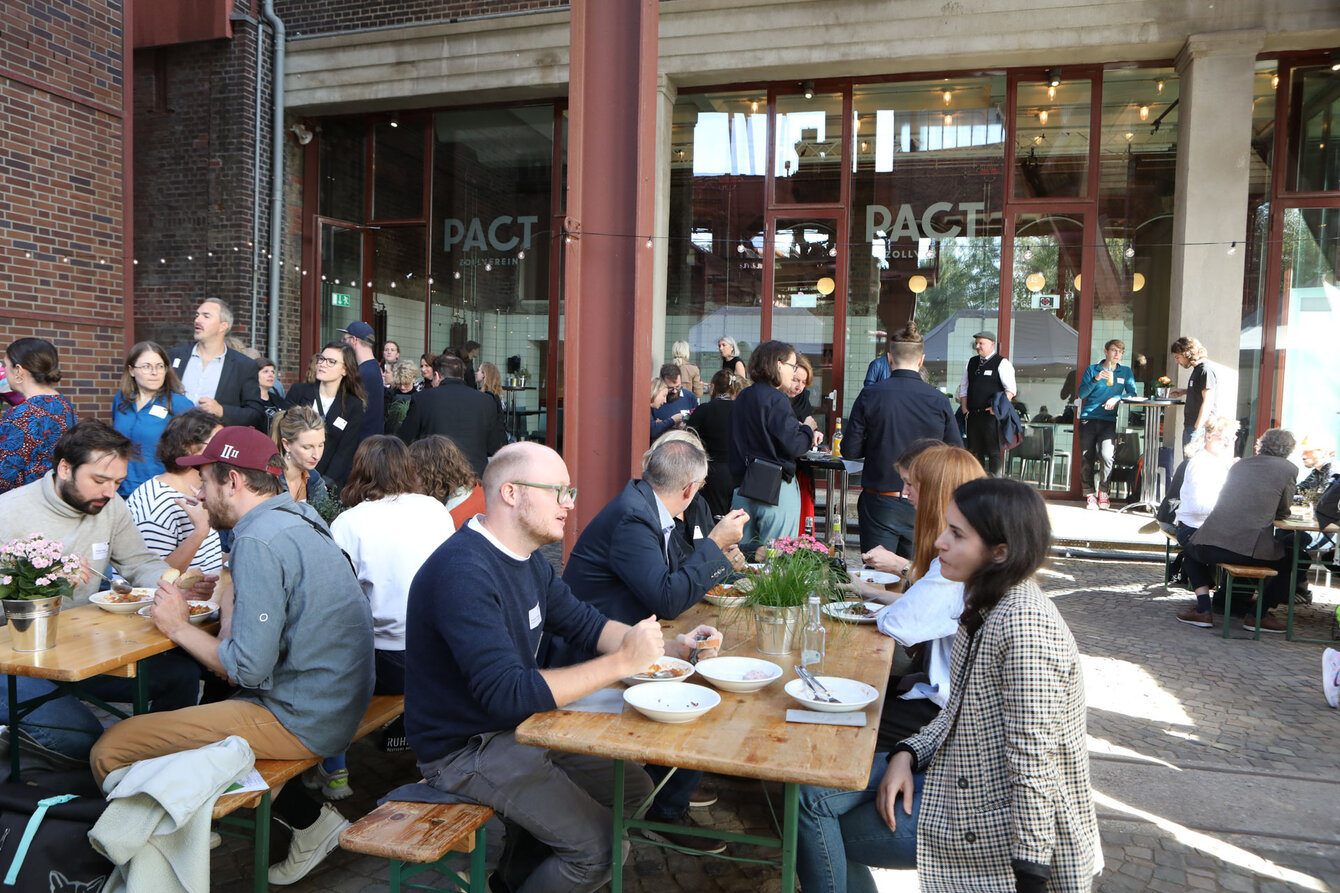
477, 611
629, 563
215, 377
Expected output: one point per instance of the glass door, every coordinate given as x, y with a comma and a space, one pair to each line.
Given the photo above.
341, 279
1307, 387
806, 259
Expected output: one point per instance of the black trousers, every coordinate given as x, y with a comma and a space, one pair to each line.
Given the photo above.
1204, 558
983, 439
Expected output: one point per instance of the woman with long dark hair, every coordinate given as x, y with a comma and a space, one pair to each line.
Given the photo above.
337, 396
29, 431
1006, 802
149, 398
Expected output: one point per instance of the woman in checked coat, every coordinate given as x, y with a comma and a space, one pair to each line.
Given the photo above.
1006, 803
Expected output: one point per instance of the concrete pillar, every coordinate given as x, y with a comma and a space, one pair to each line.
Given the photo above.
666, 94
1210, 210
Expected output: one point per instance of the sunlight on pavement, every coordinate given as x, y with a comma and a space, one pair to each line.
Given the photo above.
1103, 747
1119, 686
1226, 852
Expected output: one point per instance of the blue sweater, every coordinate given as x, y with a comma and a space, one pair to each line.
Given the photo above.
144, 427
1095, 393
472, 630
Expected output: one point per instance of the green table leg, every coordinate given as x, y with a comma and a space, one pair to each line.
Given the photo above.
1293, 584
616, 876
790, 824
261, 881
477, 870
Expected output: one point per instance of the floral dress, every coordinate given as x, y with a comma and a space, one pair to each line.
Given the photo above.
28, 434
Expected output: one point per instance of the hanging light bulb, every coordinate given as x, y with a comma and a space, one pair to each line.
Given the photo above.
1042, 116
1028, 254
948, 96
1274, 80
456, 275
1233, 249
754, 106
521, 255
808, 89
648, 241
1129, 136
1144, 113
1130, 251
1159, 84
1051, 92
949, 119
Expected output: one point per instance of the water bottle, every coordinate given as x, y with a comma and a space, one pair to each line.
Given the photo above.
812, 638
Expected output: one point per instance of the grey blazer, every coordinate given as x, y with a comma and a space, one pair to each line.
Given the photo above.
1258, 491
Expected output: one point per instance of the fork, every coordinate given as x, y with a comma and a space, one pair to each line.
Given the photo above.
820, 693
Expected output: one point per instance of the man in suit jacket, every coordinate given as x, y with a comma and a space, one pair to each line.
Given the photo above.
472, 419
214, 377
628, 562
1240, 529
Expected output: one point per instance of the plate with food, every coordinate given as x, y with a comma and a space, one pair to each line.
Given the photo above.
201, 612
876, 578
667, 702
851, 694
739, 674
666, 669
123, 601
723, 595
853, 612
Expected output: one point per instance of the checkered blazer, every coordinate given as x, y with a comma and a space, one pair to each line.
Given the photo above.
1006, 760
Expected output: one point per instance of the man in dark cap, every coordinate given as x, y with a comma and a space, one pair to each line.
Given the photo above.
359, 336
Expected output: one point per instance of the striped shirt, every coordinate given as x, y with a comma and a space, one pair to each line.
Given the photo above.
164, 524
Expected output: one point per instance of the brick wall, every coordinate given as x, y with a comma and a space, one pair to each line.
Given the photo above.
61, 195
304, 18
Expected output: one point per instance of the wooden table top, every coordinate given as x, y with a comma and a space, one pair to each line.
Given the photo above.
747, 735
89, 641
1298, 522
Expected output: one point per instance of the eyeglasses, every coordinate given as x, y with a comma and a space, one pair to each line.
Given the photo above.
150, 367
327, 361
566, 493
794, 366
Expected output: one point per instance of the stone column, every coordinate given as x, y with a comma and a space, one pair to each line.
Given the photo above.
666, 94
1210, 211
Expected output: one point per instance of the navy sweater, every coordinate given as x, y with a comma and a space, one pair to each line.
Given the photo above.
472, 630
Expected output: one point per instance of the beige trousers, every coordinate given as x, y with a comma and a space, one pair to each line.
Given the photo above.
158, 734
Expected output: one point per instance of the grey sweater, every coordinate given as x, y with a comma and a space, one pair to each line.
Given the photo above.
107, 538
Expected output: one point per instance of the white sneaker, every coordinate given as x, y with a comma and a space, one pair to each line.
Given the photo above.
1330, 676
310, 845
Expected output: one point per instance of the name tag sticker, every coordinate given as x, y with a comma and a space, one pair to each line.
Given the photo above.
176, 362
339, 423
697, 532
99, 551
986, 371
1121, 381
535, 617
158, 411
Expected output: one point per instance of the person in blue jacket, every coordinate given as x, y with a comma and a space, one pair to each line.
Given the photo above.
150, 395
672, 403
1101, 389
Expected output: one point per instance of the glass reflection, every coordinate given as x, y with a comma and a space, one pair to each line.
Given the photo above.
1051, 147
807, 164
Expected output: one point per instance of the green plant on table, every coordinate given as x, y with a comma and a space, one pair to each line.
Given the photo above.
790, 578
34, 567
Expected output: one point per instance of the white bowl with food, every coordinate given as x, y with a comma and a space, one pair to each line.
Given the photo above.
666, 669
123, 602
739, 674
668, 702
723, 596
875, 578
853, 612
201, 612
852, 694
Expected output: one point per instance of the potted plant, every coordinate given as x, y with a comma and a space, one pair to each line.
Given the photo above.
521, 375
1161, 387
34, 577
797, 568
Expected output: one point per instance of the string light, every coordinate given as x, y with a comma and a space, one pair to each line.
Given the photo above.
1144, 113
1130, 251
1051, 92
488, 268
1233, 249
648, 241
456, 275
1159, 84
521, 255
948, 96
1042, 117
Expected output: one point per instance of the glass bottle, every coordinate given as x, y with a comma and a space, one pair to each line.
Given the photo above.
809, 527
812, 638
837, 438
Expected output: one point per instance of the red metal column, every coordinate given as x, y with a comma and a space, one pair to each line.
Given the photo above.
608, 281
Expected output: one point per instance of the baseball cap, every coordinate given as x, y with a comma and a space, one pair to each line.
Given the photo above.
240, 446
359, 329
989, 336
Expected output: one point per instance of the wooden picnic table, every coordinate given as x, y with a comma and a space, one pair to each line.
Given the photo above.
747, 735
1299, 524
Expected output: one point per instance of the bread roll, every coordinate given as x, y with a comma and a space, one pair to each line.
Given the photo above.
170, 575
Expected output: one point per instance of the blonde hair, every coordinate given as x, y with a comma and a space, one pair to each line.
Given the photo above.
680, 351
492, 379
937, 472
1216, 426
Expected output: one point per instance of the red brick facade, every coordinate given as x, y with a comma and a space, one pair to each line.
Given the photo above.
61, 188
306, 18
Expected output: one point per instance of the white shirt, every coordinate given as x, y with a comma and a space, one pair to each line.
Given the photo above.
667, 524
165, 525
1201, 485
1005, 371
927, 612
200, 380
388, 540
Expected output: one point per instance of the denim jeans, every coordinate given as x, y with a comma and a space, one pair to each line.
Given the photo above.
768, 522
67, 726
1097, 438
885, 521
672, 801
841, 832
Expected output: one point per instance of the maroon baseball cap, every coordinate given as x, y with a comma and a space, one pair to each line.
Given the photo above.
240, 446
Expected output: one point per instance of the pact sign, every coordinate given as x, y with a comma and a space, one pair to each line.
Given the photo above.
499, 234
881, 221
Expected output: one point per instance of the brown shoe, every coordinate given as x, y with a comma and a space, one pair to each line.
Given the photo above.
1268, 624
1195, 618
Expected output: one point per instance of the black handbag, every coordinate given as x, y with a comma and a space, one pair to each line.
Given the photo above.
762, 481
44, 846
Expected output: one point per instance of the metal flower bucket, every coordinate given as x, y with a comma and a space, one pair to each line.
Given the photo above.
777, 628
32, 622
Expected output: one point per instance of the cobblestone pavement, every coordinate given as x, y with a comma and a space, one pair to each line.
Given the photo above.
1215, 762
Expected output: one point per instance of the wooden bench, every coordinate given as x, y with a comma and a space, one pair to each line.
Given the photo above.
1231, 573
417, 837
382, 710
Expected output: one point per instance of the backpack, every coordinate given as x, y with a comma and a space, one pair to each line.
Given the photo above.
45, 849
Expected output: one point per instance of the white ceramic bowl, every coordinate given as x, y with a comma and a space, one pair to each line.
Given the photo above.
845, 612
144, 595
853, 694
683, 668
878, 578
197, 619
727, 598
727, 673
670, 702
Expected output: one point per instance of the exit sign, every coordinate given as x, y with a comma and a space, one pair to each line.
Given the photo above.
339, 299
